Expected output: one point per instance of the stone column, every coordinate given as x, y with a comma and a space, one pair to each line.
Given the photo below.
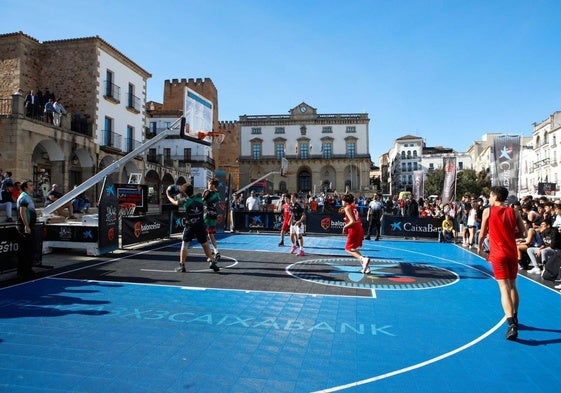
17, 104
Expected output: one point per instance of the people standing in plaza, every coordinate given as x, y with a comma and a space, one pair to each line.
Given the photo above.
412, 207
354, 231
297, 217
374, 217
194, 225
58, 111
235, 206
31, 104
253, 205
26, 219
211, 199
252, 202
6, 200
49, 110
502, 223
284, 208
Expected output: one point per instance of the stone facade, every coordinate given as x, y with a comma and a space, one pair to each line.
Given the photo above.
325, 152
69, 69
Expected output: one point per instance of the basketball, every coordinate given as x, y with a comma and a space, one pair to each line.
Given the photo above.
173, 190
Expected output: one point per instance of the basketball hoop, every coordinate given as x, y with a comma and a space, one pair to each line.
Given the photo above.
216, 137
126, 209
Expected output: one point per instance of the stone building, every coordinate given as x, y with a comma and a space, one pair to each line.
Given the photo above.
103, 91
325, 152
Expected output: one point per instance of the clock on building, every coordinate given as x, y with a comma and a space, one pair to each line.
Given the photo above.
303, 109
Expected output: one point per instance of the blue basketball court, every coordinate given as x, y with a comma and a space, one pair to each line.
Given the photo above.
427, 319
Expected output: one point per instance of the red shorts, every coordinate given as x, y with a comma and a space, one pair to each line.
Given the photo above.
506, 269
285, 226
354, 239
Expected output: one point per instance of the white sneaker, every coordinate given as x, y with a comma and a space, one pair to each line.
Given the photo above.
535, 270
365, 262
557, 286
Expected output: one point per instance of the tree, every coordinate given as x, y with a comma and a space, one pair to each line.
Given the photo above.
467, 180
434, 182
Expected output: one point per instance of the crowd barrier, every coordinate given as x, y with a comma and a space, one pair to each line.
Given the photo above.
144, 228
11, 243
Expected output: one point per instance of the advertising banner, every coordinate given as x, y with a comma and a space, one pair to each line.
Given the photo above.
449, 186
418, 184
506, 154
137, 229
9, 247
410, 226
175, 222
108, 218
71, 233
547, 188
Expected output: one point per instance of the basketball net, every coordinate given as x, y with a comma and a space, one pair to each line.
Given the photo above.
216, 137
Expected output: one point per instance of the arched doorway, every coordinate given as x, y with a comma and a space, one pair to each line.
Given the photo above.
304, 181
153, 183
352, 178
167, 180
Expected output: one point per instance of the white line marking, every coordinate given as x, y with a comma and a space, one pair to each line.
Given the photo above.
415, 366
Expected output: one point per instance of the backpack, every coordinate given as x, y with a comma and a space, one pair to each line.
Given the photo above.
552, 267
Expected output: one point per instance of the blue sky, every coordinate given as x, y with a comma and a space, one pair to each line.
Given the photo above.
447, 71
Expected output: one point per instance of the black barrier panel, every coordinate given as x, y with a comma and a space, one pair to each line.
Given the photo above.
108, 218
176, 222
411, 227
321, 223
71, 233
331, 223
137, 229
9, 247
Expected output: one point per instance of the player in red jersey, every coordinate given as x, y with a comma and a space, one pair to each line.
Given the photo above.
285, 209
354, 231
502, 222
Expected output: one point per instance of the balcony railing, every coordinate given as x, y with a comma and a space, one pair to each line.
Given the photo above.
5, 106
131, 144
133, 102
112, 139
541, 163
112, 91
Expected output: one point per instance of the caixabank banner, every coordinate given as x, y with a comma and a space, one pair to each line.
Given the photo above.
71, 233
410, 226
108, 218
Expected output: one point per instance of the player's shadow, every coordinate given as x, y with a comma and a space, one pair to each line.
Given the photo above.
535, 343
38, 300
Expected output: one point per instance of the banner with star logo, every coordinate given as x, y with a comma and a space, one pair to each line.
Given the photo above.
506, 158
